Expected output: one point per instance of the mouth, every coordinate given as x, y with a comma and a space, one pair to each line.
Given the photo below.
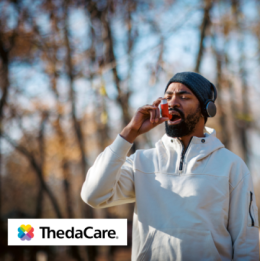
175, 119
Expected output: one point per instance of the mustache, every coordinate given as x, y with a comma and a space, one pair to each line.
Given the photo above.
179, 111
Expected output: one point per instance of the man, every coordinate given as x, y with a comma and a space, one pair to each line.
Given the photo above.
194, 198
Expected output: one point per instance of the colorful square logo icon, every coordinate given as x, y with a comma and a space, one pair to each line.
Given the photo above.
25, 232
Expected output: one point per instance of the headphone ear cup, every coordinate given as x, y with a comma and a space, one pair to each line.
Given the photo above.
211, 108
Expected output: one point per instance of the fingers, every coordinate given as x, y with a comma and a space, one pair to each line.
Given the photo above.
152, 115
148, 107
150, 110
157, 102
157, 115
157, 111
153, 110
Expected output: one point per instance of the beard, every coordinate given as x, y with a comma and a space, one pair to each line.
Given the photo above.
186, 126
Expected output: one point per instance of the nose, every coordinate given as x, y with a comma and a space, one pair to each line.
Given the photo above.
173, 102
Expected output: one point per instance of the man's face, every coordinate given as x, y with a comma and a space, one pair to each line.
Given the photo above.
185, 108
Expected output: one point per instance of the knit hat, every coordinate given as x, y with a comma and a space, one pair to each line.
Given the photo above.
199, 85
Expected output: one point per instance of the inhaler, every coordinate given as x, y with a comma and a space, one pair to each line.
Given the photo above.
164, 109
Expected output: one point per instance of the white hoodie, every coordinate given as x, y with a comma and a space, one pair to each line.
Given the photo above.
201, 209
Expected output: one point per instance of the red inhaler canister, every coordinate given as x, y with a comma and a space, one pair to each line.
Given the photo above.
164, 109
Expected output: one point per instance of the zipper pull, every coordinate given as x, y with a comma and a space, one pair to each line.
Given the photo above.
250, 205
181, 164
183, 155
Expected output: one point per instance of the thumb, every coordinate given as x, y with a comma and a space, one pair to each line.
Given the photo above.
163, 119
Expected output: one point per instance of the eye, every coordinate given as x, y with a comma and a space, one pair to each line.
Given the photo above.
184, 98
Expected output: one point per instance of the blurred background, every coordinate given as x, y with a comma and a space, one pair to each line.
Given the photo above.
72, 73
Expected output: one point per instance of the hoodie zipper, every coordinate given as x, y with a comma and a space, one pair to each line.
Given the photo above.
183, 154
251, 200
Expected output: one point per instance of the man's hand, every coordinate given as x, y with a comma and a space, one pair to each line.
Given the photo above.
146, 118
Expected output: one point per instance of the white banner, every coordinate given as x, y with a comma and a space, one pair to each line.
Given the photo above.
67, 232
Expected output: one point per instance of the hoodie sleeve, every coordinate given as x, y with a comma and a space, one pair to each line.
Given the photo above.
110, 181
243, 221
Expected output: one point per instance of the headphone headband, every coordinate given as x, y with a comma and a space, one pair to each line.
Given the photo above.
215, 93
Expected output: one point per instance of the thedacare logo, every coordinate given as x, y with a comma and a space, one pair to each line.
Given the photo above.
88, 232
25, 232
67, 232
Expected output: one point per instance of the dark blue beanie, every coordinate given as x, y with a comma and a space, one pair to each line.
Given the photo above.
199, 85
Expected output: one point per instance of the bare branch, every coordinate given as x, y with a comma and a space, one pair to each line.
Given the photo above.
37, 169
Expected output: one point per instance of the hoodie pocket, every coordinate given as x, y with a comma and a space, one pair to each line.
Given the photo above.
252, 219
178, 244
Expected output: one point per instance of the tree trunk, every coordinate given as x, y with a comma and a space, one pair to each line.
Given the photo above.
203, 29
225, 138
38, 171
243, 121
4, 56
87, 210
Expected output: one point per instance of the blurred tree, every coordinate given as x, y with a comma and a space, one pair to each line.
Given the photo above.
243, 119
204, 29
